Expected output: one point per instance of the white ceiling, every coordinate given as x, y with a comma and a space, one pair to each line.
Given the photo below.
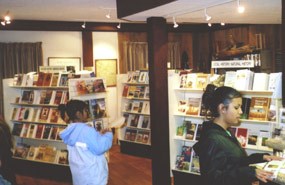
185, 11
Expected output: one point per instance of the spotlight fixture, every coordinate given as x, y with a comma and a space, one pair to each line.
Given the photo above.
7, 19
83, 25
210, 24
108, 16
119, 26
206, 15
223, 24
175, 25
240, 8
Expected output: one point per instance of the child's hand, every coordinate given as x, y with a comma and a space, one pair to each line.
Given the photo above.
272, 157
103, 131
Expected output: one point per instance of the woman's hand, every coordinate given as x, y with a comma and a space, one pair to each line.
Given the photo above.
103, 131
272, 157
263, 175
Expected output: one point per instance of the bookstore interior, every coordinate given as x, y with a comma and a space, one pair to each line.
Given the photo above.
32, 108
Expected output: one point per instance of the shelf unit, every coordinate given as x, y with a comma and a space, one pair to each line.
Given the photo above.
177, 118
134, 137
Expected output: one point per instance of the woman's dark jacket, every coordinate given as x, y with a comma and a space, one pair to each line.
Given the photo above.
6, 167
222, 160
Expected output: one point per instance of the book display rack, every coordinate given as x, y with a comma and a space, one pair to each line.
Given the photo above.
135, 107
187, 115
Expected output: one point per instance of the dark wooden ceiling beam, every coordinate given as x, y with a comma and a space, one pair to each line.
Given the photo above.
130, 7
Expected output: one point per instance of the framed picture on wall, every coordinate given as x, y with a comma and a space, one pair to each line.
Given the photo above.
65, 61
107, 68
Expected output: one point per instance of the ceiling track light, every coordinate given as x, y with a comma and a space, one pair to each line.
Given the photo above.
210, 24
119, 26
83, 25
175, 25
223, 24
108, 16
206, 15
6, 20
240, 8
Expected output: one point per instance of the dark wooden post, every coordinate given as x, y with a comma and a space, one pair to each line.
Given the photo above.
87, 48
283, 51
157, 59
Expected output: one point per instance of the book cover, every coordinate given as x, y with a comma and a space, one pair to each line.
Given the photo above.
41, 152
62, 157
245, 107
32, 153
146, 92
244, 79
45, 96
263, 136
15, 113
62, 79
58, 132
190, 129
54, 80
25, 129
54, 115
133, 135
47, 79
131, 91
275, 84
98, 108
146, 108
53, 133
142, 76
193, 106
140, 107
134, 122
46, 132
135, 106
198, 132
146, 122
127, 134
242, 136
39, 131
252, 137
99, 85
146, 137
191, 81
260, 82
259, 108
181, 164
17, 128
44, 113
125, 91
139, 136
183, 80
195, 164
135, 77
32, 131
27, 96
21, 150
186, 152
57, 97
230, 78
202, 80
40, 80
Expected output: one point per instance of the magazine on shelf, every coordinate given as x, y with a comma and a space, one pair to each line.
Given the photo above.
193, 106
259, 108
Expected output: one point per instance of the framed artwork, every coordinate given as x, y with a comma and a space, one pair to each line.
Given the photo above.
107, 68
65, 61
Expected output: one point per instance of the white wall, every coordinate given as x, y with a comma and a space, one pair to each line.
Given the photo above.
54, 43
69, 44
105, 46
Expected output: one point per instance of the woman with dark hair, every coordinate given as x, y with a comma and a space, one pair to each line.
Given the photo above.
86, 146
6, 145
222, 159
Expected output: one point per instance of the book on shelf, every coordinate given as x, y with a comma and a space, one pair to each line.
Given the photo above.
260, 82
47, 79
60, 128
191, 81
139, 137
245, 107
135, 76
53, 115
27, 97
134, 120
35, 114
146, 93
46, 132
21, 150
62, 157
182, 106
146, 107
14, 114
140, 107
53, 133
230, 78
244, 79
63, 79
198, 132
195, 164
44, 114
145, 122
202, 80
130, 76
217, 79
190, 130
25, 114
25, 129
131, 91
54, 80
32, 153
180, 130
40, 79
128, 106
98, 124
135, 106
139, 92
263, 136
125, 91
127, 135
41, 152
275, 84
45, 96
183, 159
133, 135
183, 80
143, 76
146, 137
17, 128
193, 106
39, 131
56, 97
49, 154
32, 130
242, 136
17, 80
259, 108
98, 108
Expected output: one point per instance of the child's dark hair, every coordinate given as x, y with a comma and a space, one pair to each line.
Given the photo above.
70, 109
214, 96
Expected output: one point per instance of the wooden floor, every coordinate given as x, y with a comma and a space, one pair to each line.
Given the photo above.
123, 170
